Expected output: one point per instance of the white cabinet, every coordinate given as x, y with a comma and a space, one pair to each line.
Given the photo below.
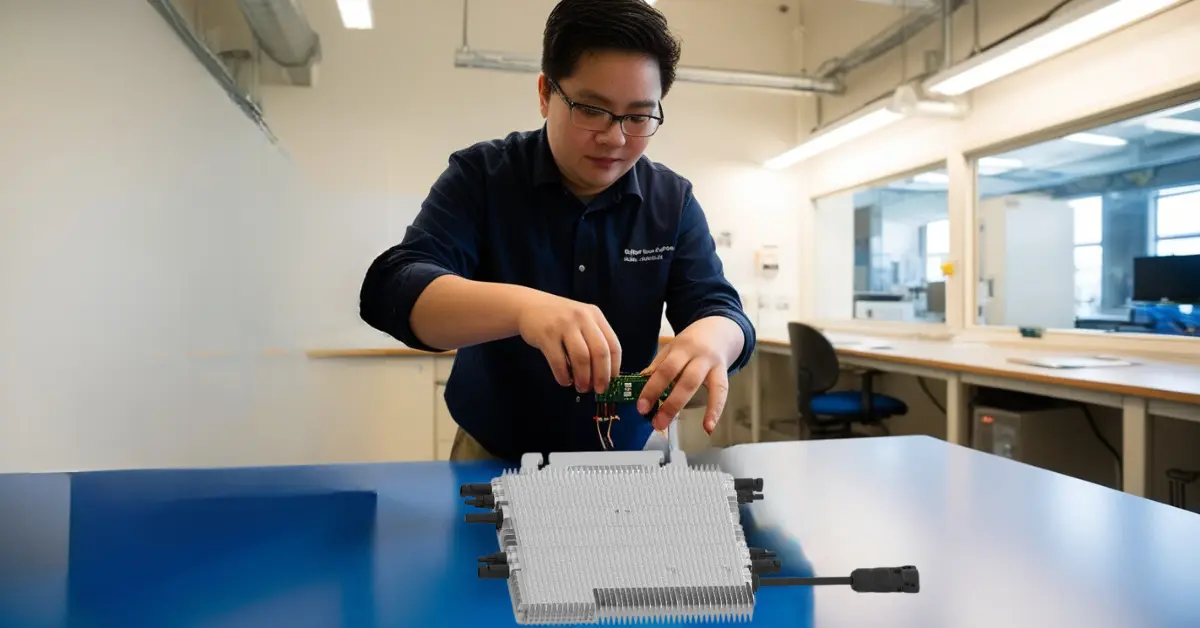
382, 408
365, 410
1027, 262
444, 427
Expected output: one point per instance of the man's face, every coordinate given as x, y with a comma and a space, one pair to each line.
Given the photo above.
621, 83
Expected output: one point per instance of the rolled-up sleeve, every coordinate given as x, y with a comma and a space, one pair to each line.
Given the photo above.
442, 240
697, 287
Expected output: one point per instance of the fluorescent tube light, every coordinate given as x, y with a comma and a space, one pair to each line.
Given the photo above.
509, 62
1095, 139
1174, 125
998, 165
933, 178
1001, 162
835, 136
356, 14
1056, 36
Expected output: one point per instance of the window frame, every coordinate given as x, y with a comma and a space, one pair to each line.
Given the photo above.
971, 154
1171, 192
867, 325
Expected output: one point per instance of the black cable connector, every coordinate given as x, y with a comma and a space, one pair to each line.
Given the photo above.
482, 501
757, 553
499, 558
765, 566
874, 580
745, 497
493, 572
475, 490
493, 517
747, 484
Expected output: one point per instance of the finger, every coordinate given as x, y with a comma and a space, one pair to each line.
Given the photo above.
658, 358
614, 346
689, 382
581, 364
556, 357
601, 365
717, 384
666, 372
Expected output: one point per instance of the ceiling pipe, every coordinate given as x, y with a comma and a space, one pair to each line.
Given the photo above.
467, 57
503, 61
890, 38
947, 33
284, 34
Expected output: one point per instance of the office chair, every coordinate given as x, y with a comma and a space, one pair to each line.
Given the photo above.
828, 414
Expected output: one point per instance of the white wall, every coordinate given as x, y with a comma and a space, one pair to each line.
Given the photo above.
157, 265
833, 239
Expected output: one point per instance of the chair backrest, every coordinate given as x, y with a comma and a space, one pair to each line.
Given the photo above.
813, 355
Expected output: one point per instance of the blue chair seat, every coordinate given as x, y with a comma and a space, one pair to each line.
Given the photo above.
850, 403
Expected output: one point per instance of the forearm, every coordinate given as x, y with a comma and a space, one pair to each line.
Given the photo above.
453, 312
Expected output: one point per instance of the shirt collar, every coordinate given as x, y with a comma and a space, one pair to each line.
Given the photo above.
546, 172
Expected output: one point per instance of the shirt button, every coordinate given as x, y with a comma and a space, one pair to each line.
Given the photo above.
576, 399
582, 268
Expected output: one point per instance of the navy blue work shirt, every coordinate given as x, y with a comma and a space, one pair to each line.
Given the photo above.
500, 213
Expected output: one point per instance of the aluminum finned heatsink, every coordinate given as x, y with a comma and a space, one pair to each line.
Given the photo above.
620, 537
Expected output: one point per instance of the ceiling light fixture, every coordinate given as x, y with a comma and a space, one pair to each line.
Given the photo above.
1174, 125
1075, 27
991, 166
1095, 139
356, 14
866, 121
466, 57
1007, 163
932, 178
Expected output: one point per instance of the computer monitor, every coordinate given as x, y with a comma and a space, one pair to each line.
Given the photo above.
1170, 278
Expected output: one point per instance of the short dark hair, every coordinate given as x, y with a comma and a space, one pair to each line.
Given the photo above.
576, 27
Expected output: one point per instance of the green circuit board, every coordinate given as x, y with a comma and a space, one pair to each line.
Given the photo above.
627, 389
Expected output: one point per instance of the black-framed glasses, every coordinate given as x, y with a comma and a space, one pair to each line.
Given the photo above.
592, 118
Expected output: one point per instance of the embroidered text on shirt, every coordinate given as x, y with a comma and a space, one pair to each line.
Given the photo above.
646, 255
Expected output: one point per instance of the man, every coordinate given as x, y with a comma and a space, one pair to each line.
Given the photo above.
546, 257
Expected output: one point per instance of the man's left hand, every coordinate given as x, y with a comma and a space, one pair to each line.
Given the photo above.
701, 354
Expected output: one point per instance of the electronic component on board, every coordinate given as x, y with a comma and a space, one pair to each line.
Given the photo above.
624, 389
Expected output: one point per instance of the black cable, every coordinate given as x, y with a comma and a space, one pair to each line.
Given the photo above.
874, 580
1041, 19
1087, 413
788, 581
928, 393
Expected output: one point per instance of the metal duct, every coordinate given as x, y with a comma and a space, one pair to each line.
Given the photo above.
468, 58
283, 33
212, 63
889, 38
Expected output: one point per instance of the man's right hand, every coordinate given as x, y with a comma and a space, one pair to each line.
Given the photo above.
576, 339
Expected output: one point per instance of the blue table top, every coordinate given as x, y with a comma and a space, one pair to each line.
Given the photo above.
998, 544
